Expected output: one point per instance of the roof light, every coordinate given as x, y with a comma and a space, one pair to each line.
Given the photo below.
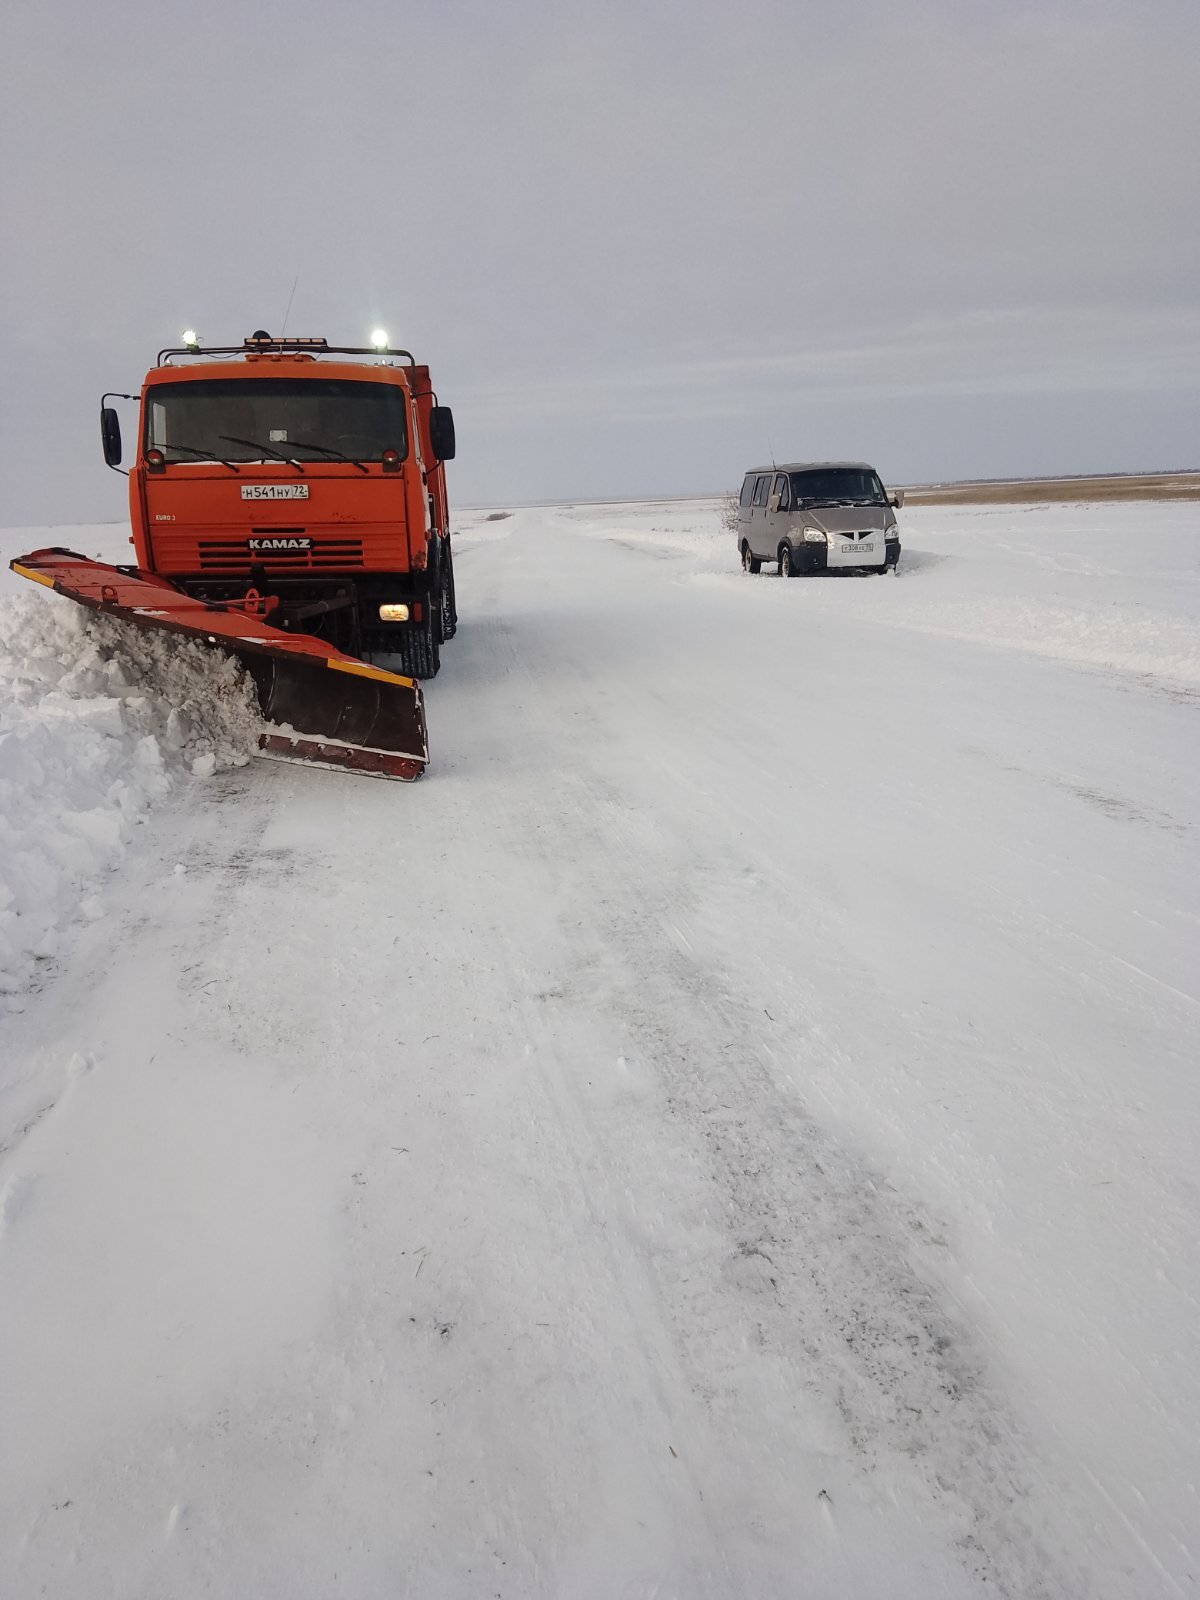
379, 339
191, 339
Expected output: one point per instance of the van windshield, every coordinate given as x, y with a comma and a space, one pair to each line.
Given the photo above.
263, 419
833, 486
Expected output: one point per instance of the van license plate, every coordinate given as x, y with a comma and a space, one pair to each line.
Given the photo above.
857, 549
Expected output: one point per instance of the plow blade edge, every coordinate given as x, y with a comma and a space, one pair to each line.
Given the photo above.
324, 707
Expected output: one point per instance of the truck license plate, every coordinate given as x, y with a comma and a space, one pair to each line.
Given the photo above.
274, 491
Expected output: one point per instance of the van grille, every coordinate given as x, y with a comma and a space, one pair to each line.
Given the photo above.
324, 554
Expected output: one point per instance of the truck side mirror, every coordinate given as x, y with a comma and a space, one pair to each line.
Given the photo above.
110, 435
441, 432
896, 498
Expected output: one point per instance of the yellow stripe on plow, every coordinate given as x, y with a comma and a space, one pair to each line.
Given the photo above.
361, 670
27, 572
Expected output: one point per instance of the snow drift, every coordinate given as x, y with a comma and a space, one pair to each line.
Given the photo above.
98, 720
729, 1133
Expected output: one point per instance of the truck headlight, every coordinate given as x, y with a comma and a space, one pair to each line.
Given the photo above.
393, 613
815, 536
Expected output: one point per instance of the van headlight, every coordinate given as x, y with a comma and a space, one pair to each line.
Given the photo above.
815, 536
891, 533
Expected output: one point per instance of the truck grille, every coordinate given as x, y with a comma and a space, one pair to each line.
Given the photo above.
234, 555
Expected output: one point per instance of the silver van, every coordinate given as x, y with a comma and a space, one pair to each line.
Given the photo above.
818, 516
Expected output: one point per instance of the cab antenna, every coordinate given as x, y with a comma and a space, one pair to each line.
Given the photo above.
288, 312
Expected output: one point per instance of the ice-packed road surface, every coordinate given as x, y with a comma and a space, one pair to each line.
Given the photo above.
729, 1131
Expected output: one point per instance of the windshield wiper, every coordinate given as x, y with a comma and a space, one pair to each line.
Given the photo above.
191, 449
328, 450
254, 444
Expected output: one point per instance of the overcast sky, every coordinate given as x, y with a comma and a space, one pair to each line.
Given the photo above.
642, 246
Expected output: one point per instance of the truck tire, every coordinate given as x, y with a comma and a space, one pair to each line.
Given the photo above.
433, 594
449, 605
419, 651
441, 594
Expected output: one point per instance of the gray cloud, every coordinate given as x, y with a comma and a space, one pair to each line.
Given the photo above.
958, 238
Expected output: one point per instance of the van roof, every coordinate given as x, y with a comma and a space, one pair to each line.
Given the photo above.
810, 466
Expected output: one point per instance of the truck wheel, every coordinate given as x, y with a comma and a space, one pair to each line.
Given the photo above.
750, 562
449, 606
436, 581
419, 651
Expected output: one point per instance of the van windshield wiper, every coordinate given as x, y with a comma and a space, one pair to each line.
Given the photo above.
254, 444
328, 450
191, 450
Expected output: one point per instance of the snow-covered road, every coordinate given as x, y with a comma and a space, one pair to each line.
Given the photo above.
729, 1131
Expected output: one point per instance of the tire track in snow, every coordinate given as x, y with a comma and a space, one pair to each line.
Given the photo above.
819, 1250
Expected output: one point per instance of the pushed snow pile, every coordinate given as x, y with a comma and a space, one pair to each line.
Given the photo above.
98, 719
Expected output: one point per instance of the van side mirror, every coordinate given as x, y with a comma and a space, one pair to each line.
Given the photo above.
441, 432
896, 498
110, 435
773, 502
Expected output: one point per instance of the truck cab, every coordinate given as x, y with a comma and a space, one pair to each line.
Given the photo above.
308, 476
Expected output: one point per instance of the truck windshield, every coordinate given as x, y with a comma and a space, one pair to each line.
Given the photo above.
838, 486
301, 418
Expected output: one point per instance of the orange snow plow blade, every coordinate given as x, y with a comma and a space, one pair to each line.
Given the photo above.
326, 707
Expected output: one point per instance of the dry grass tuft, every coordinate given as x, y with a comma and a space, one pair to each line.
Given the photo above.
1131, 486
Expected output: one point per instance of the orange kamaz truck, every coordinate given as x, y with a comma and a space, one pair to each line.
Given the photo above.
310, 473
288, 503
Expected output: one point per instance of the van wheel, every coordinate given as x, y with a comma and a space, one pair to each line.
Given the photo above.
786, 569
750, 562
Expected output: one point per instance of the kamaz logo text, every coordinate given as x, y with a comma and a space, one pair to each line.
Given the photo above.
258, 546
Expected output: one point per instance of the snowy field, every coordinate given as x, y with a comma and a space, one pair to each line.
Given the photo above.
729, 1131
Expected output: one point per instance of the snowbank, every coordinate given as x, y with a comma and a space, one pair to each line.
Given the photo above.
764, 1165
1113, 587
98, 720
